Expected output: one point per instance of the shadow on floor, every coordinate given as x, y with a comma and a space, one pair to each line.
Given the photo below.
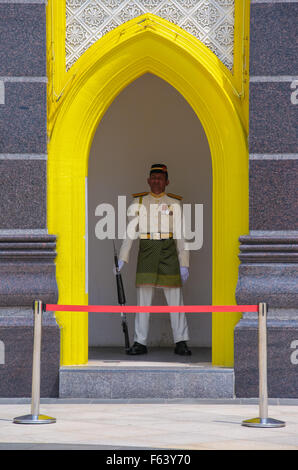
155, 356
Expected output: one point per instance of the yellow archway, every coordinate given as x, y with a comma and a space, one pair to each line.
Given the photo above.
145, 44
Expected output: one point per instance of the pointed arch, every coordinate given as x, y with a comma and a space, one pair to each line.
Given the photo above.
148, 44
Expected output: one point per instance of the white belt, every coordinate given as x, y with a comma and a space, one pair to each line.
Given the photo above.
156, 236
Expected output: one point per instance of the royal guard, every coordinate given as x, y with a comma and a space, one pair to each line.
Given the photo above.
163, 261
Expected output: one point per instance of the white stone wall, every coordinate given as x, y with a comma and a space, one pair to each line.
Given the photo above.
211, 21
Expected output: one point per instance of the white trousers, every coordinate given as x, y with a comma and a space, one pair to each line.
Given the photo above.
178, 320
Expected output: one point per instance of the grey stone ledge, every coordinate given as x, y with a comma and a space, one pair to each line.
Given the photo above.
198, 401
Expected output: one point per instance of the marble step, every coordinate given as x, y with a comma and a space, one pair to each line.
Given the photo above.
110, 374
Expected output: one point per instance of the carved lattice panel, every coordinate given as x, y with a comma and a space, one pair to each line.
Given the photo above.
211, 21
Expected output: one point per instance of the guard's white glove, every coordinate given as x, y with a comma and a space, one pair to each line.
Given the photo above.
120, 266
184, 273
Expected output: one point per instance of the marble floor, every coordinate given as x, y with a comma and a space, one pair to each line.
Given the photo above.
198, 425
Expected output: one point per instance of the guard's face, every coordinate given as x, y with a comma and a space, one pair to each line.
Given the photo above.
157, 182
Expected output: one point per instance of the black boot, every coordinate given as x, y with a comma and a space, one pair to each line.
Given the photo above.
137, 348
182, 349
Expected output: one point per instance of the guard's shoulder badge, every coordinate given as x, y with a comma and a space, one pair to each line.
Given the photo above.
175, 196
140, 194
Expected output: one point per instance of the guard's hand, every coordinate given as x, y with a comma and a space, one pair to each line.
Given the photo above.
184, 273
120, 266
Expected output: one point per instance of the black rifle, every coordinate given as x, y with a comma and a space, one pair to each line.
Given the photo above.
121, 299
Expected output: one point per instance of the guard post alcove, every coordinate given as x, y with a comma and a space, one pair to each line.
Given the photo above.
77, 101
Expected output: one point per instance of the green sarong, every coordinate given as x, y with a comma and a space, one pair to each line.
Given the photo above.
158, 264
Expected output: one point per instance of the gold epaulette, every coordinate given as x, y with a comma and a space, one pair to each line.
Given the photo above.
175, 196
140, 194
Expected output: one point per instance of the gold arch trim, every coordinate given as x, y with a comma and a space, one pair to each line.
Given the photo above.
219, 99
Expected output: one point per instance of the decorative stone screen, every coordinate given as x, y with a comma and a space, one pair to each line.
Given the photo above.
211, 21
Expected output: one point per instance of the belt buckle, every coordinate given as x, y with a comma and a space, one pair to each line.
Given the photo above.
156, 236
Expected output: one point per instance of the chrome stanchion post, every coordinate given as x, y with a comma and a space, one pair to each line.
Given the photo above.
263, 389
263, 421
35, 417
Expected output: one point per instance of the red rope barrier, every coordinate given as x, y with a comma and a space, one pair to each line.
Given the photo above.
151, 309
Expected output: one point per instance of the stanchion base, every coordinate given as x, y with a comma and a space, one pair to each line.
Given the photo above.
263, 423
34, 419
